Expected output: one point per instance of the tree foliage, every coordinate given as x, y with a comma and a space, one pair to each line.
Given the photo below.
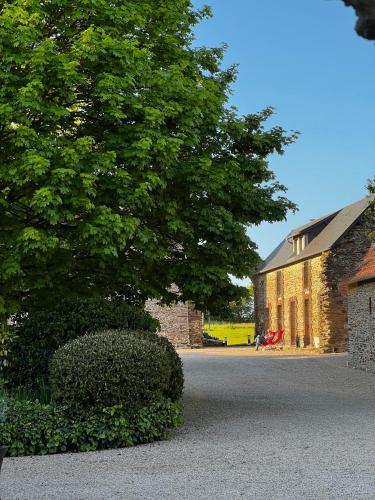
122, 170
38, 334
365, 10
239, 311
371, 185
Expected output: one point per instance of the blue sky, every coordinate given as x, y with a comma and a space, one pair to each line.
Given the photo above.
303, 58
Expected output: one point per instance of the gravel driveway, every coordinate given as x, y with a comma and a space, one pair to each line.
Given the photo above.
256, 428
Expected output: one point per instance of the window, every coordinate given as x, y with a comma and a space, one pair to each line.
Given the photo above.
295, 246
279, 283
307, 336
299, 244
293, 321
279, 316
306, 275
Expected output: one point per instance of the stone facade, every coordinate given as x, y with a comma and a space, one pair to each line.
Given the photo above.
361, 326
289, 305
181, 323
344, 256
306, 299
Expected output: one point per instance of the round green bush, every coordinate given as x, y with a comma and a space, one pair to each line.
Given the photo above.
40, 333
176, 380
106, 369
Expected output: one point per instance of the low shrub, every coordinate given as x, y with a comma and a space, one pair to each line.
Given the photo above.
176, 379
33, 429
107, 369
3, 410
7, 341
40, 333
38, 392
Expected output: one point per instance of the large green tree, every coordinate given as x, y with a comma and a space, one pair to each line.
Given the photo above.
122, 169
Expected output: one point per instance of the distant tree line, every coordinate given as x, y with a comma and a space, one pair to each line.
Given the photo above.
240, 311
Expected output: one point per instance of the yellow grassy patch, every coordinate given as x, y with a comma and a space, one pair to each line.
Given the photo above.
236, 333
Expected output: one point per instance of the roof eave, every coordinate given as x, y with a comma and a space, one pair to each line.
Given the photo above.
361, 281
288, 264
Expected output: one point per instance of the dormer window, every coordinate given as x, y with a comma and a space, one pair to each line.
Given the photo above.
299, 243
295, 246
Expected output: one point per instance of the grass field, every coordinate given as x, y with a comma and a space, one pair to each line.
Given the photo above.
236, 333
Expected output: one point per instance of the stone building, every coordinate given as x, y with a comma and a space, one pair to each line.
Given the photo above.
297, 288
181, 323
360, 290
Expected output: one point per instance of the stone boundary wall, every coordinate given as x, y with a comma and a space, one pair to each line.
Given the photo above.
195, 326
361, 327
181, 323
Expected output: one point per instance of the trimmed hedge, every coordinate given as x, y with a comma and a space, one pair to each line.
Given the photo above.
107, 369
176, 379
40, 333
34, 429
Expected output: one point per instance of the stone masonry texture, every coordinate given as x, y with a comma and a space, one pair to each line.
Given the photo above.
361, 326
319, 301
292, 290
181, 323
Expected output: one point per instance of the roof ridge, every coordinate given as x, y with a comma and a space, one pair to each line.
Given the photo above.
331, 214
340, 222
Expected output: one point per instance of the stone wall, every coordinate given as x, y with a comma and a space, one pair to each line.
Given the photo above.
181, 323
328, 303
339, 264
195, 326
361, 326
292, 290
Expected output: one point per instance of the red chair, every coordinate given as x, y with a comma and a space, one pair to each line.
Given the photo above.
273, 338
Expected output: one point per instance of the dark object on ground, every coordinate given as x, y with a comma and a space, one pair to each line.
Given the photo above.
39, 334
3, 450
213, 342
208, 340
365, 10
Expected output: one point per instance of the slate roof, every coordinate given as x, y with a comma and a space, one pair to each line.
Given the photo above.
333, 225
366, 268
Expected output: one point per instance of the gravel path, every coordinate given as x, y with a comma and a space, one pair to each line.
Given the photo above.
256, 428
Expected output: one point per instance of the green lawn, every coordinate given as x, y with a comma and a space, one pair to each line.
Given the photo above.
236, 333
